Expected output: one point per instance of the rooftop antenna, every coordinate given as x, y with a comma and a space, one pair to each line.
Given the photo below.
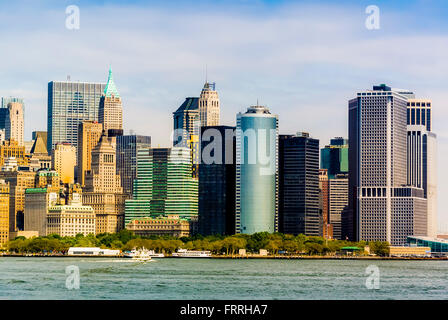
68, 77
206, 73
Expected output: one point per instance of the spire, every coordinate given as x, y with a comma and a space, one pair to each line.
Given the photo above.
110, 88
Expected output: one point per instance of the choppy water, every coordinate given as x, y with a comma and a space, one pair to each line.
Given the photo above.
45, 278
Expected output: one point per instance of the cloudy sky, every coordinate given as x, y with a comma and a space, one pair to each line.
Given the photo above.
303, 59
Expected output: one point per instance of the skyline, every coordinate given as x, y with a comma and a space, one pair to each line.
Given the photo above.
314, 57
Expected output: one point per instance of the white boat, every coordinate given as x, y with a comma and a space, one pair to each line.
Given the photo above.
184, 253
139, 255
153, 254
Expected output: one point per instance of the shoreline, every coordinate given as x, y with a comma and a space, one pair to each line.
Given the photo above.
240, 257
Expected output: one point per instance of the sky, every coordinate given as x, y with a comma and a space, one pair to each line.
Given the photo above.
302, 59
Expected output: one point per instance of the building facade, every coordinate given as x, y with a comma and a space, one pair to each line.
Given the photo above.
4, 212
382, 207
299, 185
164, 182
110, 113
209, 106
103, 191
70, 220
89, 134
172, 226
70, 103
187, 127
422, 156
37, 202
217, 181
63, 160
15, 126
127, 147
256, 198
334, 157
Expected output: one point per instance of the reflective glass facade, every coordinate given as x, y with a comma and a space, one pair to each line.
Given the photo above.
256, 179
69, 103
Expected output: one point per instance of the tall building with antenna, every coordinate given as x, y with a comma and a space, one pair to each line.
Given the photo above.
111, 109
209, 106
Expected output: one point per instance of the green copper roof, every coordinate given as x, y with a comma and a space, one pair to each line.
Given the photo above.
110, 88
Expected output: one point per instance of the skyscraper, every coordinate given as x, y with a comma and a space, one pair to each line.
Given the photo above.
217, 181
164, 182
334, 157
209, 107
337, 202
89, 134
187, 128
103, 190
14, 124
422, 156
299, 185
63, 160
382, 206
111, 109
70, 103
256, 171
4, 212
127, 147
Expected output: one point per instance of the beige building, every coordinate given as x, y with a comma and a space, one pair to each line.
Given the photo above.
89, 133
103, 191
37, 202
39, 157
410, 251
18, 181
15, 124
11, 148
161, 226
4, 212
209, 106
63, 160
110, 112
70, 220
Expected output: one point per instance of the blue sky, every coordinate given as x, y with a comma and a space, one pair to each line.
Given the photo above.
303, 59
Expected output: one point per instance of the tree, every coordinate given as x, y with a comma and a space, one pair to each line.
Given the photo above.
274, 245
380, 248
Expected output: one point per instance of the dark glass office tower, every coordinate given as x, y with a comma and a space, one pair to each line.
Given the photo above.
217, 181
127, 147
299, 185
334, 157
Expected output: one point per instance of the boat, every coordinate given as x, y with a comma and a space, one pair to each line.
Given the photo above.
184, 253
139, 255
153, 254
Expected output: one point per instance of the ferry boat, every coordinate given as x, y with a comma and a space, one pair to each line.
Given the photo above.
153, 254
184, 253
139, 255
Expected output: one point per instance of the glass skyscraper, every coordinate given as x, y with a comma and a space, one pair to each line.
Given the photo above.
69, 103
164, 185
299, 185
127, 147
256, 171
217, 181
334, 157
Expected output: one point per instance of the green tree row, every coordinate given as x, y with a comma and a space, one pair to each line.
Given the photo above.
126, 240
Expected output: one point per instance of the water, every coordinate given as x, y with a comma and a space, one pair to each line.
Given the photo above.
44, 278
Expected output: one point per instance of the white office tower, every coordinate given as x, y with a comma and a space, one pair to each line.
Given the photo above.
383, 206
422, 156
